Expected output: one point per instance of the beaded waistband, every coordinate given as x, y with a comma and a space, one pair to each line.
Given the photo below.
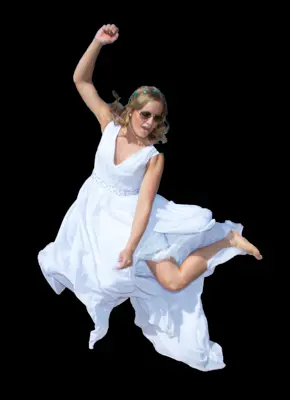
112, 188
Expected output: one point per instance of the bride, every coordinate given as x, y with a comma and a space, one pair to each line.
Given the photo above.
120, 239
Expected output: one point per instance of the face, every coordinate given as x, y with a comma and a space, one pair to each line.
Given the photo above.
145, 120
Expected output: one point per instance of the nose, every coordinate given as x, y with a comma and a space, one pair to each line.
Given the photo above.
150, 121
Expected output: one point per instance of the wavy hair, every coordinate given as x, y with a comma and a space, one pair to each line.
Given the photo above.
138, 100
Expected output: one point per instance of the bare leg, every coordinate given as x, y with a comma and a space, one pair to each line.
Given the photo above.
173, 277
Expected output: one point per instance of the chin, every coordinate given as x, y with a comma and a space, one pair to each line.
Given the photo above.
143, 133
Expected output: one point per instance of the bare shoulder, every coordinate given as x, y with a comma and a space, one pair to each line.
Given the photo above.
155, 166
152, 178
106, 122
156, 162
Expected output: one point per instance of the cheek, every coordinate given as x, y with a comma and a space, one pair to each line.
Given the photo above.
135, 120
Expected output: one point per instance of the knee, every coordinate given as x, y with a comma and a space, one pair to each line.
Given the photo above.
167, 274
174, 285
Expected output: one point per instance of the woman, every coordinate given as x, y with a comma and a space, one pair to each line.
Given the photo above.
119, 217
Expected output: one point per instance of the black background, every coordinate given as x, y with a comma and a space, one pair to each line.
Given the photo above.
213, 67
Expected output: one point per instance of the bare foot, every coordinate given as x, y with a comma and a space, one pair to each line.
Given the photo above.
237, 240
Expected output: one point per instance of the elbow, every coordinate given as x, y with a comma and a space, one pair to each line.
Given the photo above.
76, 78
79, 79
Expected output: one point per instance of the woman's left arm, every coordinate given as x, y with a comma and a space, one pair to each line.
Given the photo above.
148, 190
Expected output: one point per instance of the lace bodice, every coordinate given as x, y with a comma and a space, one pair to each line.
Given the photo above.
125, 178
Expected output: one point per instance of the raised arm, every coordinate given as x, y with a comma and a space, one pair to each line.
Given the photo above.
84, 72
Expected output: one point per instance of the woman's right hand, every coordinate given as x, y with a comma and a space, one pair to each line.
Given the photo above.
107, 34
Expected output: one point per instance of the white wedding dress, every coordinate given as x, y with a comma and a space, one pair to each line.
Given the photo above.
84, 256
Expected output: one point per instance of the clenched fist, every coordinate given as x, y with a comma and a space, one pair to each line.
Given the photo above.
125, 258
107, 34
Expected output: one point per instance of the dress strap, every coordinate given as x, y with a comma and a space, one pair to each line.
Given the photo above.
111, 127
151, 153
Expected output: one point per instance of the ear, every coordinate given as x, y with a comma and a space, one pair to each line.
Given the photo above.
129, 112
128, 115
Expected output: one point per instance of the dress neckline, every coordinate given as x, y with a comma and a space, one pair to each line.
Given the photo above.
131, 155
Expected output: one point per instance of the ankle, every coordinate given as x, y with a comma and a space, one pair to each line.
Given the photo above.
230, 239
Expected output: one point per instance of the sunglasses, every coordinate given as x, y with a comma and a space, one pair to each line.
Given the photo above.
147, 114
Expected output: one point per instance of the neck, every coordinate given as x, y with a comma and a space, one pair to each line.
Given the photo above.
133, 137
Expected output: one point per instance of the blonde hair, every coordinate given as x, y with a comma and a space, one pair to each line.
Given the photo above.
138, 100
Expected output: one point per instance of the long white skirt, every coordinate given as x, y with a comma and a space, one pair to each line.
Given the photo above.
84, 256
